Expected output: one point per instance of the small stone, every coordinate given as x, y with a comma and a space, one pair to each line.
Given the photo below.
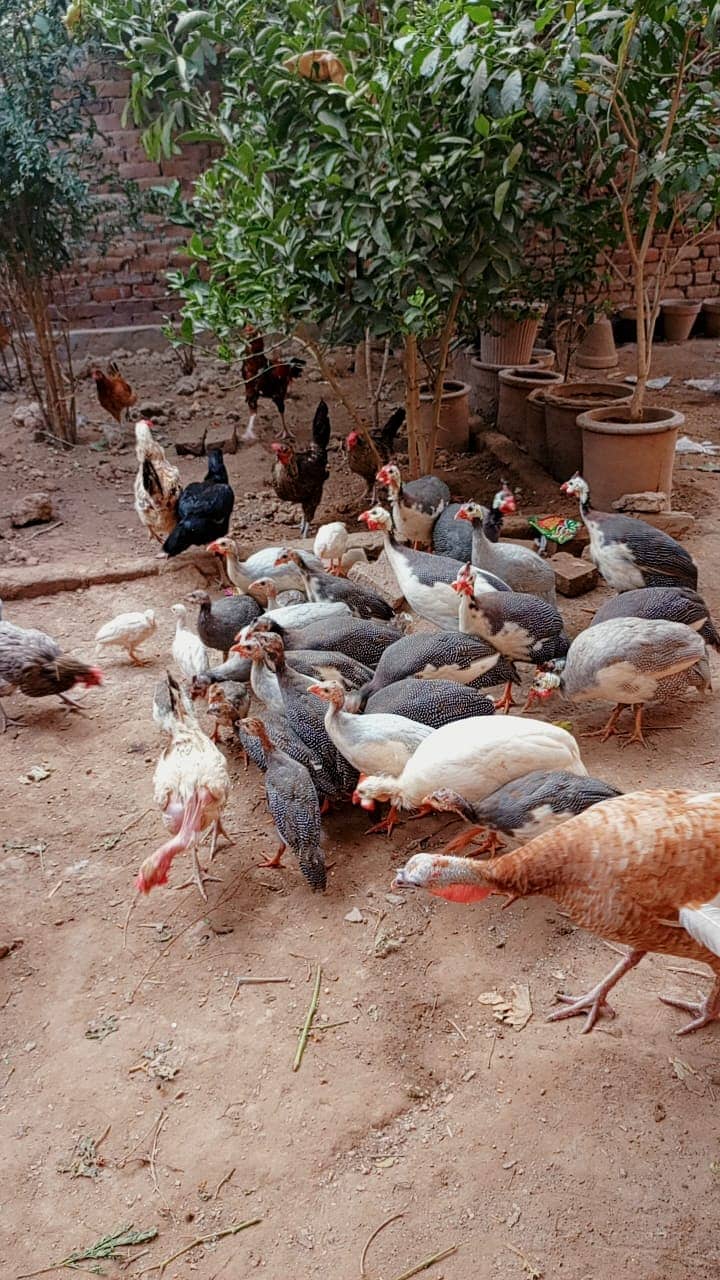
34, 508
355, 916
188, 385
151, 409
573, 576
31, 1044
29, 415
395, 899
378, 576
647, 501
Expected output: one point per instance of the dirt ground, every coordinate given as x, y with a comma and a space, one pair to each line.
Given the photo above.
140, 1086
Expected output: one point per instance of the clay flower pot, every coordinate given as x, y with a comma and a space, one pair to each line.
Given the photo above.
535, 429
563, 403
544, 356
484, 382
597, 349
454, 428
515, 386
679, 316
621, 456
507, 341
711, 316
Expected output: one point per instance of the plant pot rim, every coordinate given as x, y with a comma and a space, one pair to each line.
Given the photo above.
617, 421
509, 311
477, 363
538, 395
711, 304
520, 374
576, 394
685, 305
453, 389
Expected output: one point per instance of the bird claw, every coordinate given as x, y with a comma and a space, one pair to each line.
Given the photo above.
5, 720
594, 1004
705, 1012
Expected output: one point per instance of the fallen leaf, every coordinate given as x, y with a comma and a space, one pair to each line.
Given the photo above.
681, 1069
355, 916
515, 1010
38, 773
102, 1027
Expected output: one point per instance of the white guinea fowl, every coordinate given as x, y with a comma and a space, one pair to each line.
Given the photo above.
259, 565
188, 650
330, 544
375, 743
475, 758
310, 611
127, 631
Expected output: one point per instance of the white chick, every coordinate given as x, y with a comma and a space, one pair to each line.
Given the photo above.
330, 544
188, 650
127, 631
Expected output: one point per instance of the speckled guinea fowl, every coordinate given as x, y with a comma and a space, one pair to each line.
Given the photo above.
425, 579
431, 702
520, 567
444, 655
415, 505
524, 628
219, 621
453, 537
628, 661
523, 808
674, 604
379, 743
631, 553
322, 587
271, 598
293, 804
358, 638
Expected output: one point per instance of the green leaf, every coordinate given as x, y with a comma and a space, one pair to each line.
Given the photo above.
188, 21
479, 13
512, 159
541, 98
511, 92
479, 82
458, 31
428, 66
464, 57
482, 126
182, 72
500, 198
331, 121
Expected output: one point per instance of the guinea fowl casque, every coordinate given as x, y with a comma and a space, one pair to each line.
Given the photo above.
293, 805
444, 655
641, 870
425, 579
360, 458
521, 809
629, 552
522, 569
192, 786
628, 661
673, 604
203, 509
128, 631
321, 586
415, 505
219, 621
33, 663
299, 475
157, 484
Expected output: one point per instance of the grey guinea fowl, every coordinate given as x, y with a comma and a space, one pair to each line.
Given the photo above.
453, 537
444, 655
629, 661
520, 567
293, 805
431, 702
322, 586
415, 505
523, 808
359, 638
675, 604
524, 628
219, 621
631, 553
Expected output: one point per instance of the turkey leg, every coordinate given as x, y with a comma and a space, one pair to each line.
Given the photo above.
594, 1003
707, 1010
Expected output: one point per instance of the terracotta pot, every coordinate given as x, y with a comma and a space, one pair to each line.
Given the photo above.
621, 456
711, 317
535, 429
544, 356
679, 316
506, 341
562, 406
515, 387
485, 388
597, 349
454, 429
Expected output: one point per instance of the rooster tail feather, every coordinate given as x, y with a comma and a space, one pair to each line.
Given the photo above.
151, 480
321, 426
703, 924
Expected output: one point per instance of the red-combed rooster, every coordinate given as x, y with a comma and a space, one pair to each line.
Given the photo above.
116, 395
300, 475
265, 380
360, 457
641, 869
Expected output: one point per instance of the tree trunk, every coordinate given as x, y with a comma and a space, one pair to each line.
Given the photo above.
644, 341
412, 404
445, 340
30, 303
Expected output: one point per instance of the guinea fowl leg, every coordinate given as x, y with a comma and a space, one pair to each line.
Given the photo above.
608, 730
136, 660
705, 1011
594, 1003
276, 860
5, 719
198, 876
489, 845
387, 825
637, 734
507, 701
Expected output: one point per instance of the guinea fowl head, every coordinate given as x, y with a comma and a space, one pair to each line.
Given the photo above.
577, 486
352, 439
464, 584
247, 646
470, 511
545, 684
220, 546
378, 786
330, 691
389, 476
256, 729
198, 597
283, 452
180, 611
265, 586
455, 879
286, 556
377, 518
273, 648
504, 501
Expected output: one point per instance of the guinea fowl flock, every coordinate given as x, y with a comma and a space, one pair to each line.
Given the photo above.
336, 698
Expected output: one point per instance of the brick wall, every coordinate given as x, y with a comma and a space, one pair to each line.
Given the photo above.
697, 275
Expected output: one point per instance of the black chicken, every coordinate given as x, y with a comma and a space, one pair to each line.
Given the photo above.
359, 455
203, 510
299, 475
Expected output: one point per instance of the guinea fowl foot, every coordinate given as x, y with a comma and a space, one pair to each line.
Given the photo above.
608, 730
595, 1003
705, 1011
507, 701
637, 734
137, 661
276, 860
199, 878
487, 847
387, 825
6, 720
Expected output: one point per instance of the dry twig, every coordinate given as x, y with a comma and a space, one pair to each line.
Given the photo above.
533, 1271
216, 1235
375, 1234
312, 1010
427, 1262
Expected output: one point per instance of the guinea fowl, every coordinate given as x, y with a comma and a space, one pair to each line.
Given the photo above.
299, 475
360, 457
203, 509
304, 613
442, 656
523, 808
641, 870
628, 661
236, 668
674, 604
188, 650
330, 545
629, 552
372, 743
425, 580
273, 599
520, 567
322, 586
33, 663
364, 641
317, 664
415, 505
227, 702
128, 631
293, 804
242, 573
219, 621
157, 484
192, 785
431, 702
486, 753
266, 688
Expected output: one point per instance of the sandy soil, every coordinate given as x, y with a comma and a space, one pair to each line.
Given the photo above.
539, 1152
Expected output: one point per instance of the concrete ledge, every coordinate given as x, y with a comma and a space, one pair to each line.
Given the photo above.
23, 583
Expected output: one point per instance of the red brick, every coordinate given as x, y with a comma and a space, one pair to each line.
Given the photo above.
683, 281
139, 169
711, 249
695, 291
110, 293
149, 290
703, 277
690, 251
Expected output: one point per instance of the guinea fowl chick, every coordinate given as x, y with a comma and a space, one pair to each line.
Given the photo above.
323, 587
188, 650
674, 604
330, 545
641, 869
293, 804
157, 484
522, 809
228, 702
219, 621
192, 785
33, 663
415, 505
628, 661
128, 631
